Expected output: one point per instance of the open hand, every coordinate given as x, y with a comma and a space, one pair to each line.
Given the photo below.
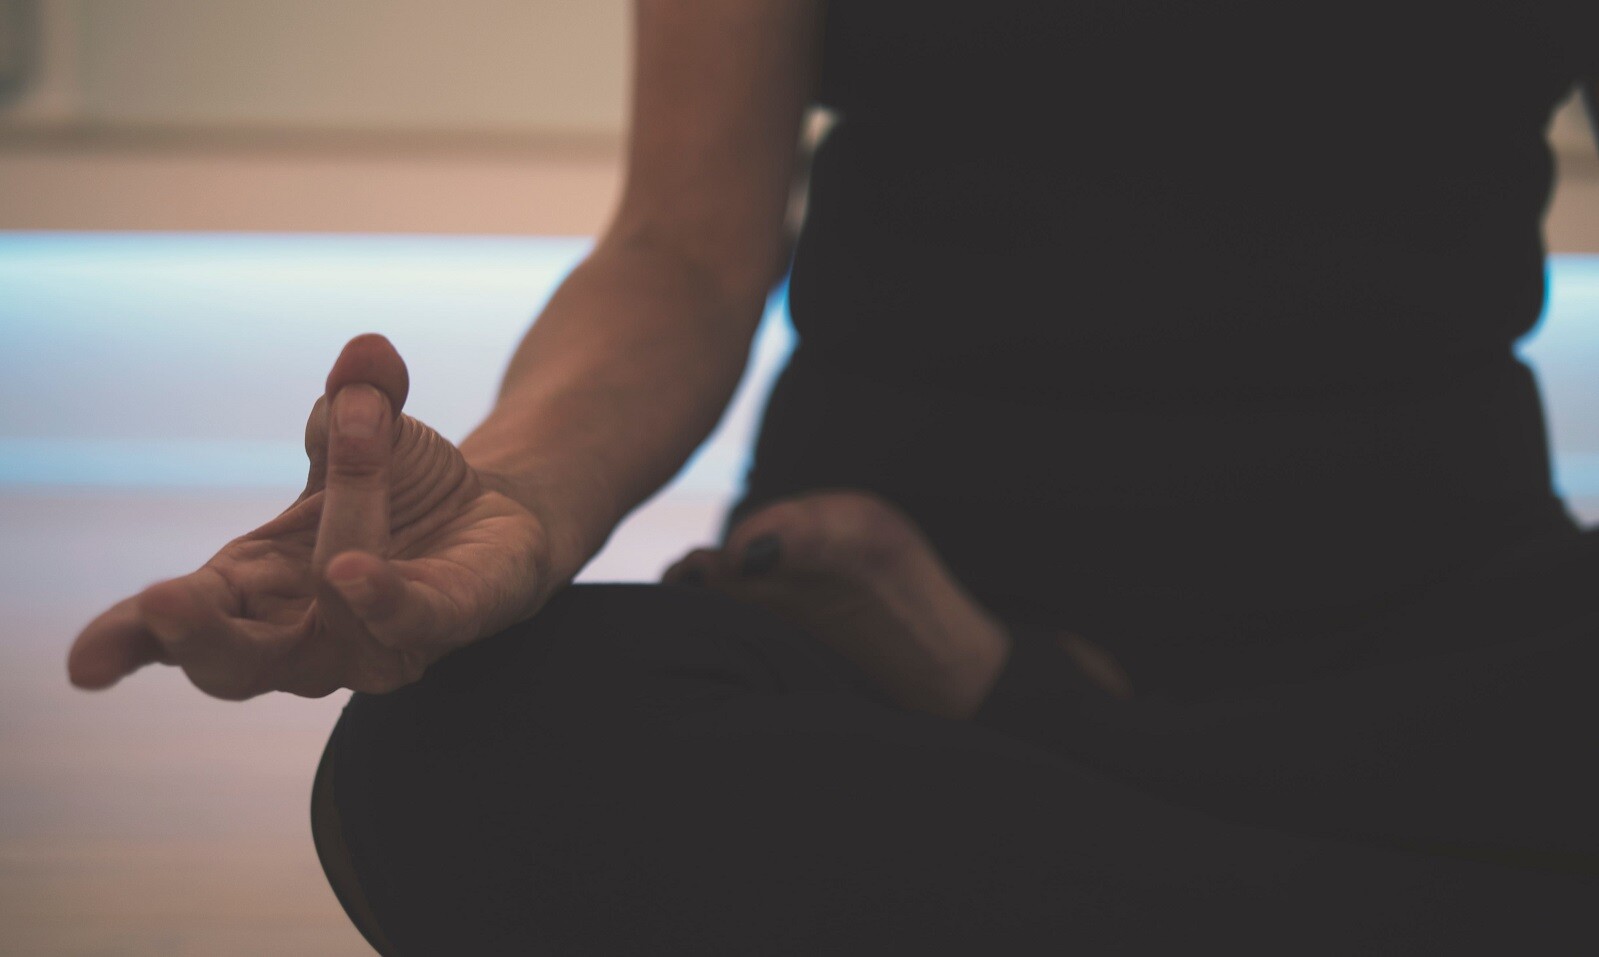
397, 552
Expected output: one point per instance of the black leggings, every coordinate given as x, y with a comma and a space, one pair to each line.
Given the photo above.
648, 769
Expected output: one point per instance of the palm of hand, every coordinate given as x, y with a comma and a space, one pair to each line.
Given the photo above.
460, 551
396, 553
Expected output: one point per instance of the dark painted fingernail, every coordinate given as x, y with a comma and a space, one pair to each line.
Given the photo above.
694, 578
760, 556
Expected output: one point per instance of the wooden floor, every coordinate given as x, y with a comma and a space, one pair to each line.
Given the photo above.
147, 820
153, 389
150, 819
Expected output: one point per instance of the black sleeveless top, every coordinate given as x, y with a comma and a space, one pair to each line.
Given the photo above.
1141, 304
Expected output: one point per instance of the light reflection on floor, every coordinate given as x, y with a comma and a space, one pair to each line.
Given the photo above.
159, 360
187, 360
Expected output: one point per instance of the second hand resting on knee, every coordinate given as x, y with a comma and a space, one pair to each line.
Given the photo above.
858, 574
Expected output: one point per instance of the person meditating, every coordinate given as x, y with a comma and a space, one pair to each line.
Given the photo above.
1150, 542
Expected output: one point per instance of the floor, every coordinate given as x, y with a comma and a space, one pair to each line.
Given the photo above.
150, 819
152, 391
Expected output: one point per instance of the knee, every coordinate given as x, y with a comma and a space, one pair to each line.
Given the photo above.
426, 795
481, 774
591, 655
586, 638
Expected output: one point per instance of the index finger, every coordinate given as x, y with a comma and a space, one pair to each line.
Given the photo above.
369, 358
112, 646
355, 507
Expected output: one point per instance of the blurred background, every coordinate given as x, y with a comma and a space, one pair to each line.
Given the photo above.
200, 201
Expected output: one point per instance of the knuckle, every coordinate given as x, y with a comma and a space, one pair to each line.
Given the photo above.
356, 470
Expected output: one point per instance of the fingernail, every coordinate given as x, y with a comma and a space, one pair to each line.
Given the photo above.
760, 556
694, 578
357, 591
358, 410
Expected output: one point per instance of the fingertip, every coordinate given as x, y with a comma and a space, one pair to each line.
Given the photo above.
366, 583
358, 594
87, 674
352, 565
372, 358
378, 595
103, 656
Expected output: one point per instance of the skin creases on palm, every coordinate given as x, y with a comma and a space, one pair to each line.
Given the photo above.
445, 535
397, 552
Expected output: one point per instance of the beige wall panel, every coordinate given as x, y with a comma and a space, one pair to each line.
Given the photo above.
498, 65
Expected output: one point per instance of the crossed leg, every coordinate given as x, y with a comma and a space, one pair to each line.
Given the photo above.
659, 769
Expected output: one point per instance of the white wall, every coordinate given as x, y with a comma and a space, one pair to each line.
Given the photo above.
553, 66
541, 66
546, 75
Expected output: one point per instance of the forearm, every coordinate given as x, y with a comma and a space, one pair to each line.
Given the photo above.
1590, 101
625, 372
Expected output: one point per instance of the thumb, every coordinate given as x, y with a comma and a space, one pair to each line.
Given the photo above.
370, 358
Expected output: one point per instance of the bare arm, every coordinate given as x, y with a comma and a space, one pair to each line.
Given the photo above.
1589, 91
635, 357
404, 547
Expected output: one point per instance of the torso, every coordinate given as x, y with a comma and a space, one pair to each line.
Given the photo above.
1195, 304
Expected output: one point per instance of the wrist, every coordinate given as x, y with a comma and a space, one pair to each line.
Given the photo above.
574, 526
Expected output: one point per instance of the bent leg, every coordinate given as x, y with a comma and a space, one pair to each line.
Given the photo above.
655, 769
1463, 724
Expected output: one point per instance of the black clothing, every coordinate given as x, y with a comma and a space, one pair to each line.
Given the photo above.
1228, 521
1236, 281
1242, 199
647, 769
1186, 326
